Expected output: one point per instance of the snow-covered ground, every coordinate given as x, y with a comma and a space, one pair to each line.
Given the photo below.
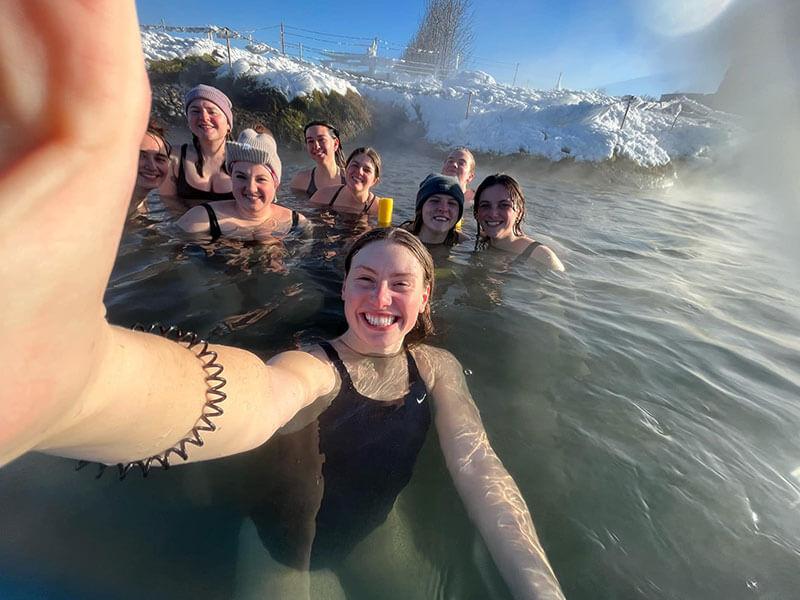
552, 124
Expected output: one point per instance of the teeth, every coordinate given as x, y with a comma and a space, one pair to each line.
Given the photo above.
380, 321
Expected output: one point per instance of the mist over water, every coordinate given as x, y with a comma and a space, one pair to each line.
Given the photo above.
645, 401
756, 44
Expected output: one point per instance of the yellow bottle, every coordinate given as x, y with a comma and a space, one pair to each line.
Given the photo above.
385, 206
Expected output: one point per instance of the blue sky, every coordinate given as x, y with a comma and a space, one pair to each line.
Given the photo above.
624, 46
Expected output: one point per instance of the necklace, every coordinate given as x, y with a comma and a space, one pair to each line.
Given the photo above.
370, 354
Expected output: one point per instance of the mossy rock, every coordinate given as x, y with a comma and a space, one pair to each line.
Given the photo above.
188, 71
252, 102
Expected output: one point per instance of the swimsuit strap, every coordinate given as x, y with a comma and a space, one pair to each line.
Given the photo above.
525, 254
312, 186
335, 196
416, 385
333, 355
417, 390
186, 190
213, 223
371, 202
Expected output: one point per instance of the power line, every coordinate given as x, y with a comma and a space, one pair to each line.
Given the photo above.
349, 37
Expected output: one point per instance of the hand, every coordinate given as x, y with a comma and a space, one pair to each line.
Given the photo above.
75, 100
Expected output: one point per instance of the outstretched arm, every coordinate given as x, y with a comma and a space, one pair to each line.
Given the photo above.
74, 112
490, 495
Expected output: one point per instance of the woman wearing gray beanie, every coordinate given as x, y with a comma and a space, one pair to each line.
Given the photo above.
255, 169
199, 173
440, 204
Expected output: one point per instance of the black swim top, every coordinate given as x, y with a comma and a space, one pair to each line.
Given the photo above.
366, 207
525, 254
190, 192
216, 232
312, 186
369, 448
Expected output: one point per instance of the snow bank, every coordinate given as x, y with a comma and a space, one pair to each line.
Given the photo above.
556, 125
293, 78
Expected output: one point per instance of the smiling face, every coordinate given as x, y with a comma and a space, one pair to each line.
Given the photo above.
320, 143
440, 213
384, 294
498, 213
153, 163
207, 121
461, 165
253, 187
361, 173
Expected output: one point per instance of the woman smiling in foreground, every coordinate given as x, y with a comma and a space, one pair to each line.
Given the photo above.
76, 386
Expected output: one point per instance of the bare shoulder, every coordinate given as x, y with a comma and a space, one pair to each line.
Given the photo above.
301, 180
324, 195
546, 257
195, 220
437, 365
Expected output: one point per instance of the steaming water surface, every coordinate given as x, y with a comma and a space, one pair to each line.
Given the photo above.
645, 402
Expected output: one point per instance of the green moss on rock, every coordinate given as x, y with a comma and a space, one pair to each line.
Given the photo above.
252, 102
189, 71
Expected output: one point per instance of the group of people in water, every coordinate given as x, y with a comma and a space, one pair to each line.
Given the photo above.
79, 387
229, 187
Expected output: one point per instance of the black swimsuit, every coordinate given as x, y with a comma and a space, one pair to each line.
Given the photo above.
312, 186
336, 195
216, 232
525, 254
370, 448
185, 190
320, 490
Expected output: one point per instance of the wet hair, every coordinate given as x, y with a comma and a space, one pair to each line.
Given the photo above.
515, 193
198, 164
424, 325
334, 133
159, 134
372, 153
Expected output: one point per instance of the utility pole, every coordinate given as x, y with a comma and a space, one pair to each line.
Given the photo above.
228, 44
516, 69
283, 40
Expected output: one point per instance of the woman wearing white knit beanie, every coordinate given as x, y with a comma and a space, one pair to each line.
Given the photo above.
255, 169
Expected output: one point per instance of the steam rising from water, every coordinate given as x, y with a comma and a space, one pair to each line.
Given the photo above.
758, 41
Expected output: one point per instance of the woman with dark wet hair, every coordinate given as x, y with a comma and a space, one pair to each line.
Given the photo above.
499, 211
355, 196
153, 167
325, 148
